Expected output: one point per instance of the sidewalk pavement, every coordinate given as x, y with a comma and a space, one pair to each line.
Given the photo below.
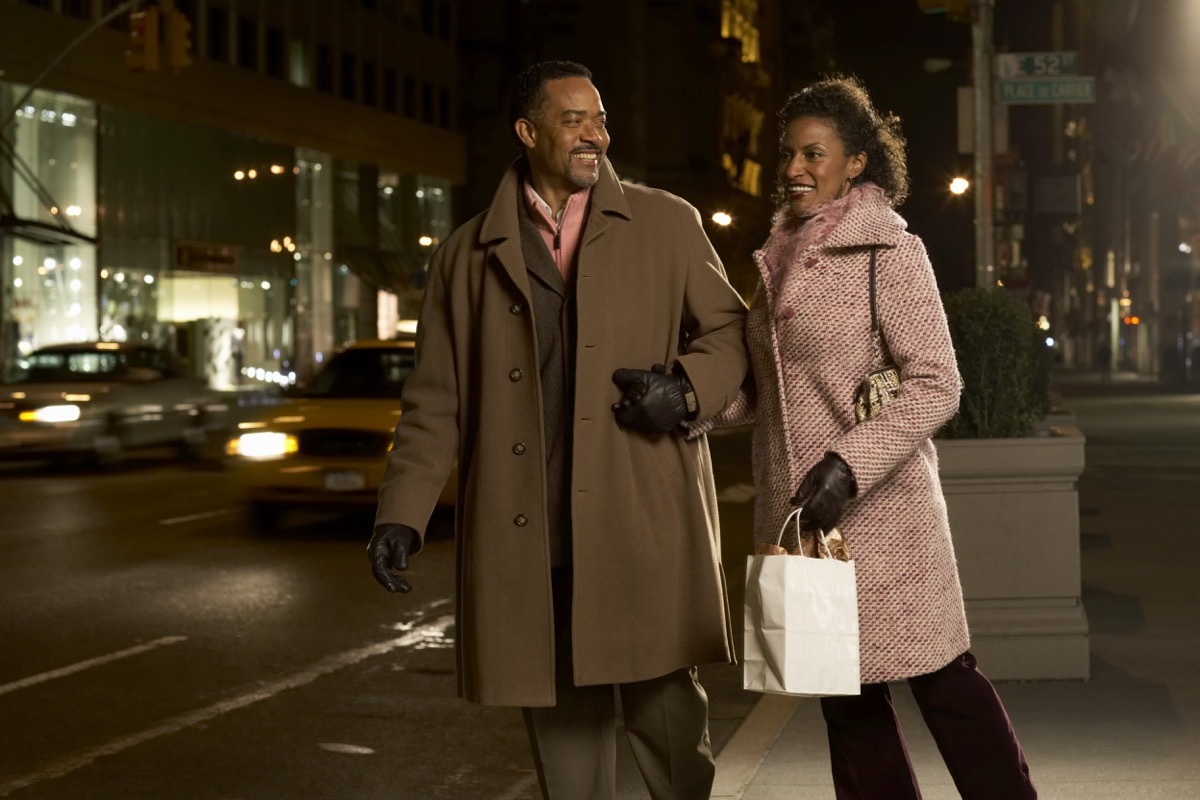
1130, 732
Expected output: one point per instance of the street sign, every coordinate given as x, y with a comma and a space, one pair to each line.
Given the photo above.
1037, 65
1031, 91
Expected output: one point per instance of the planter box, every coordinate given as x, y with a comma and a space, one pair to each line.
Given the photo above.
1014, 515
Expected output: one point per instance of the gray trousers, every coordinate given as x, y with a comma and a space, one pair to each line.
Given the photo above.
575, 741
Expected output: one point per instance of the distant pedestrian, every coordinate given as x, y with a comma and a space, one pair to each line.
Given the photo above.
1104, 361
842, 172
566, 334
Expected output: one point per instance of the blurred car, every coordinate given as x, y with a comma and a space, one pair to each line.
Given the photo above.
326, 446
94, 401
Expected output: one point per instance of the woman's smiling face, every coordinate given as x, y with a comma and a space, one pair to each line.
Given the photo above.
813, 165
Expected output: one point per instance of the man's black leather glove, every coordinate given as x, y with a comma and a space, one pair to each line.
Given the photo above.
824, 492
653, 401
389, 549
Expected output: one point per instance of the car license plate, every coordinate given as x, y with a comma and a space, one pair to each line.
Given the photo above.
344, 480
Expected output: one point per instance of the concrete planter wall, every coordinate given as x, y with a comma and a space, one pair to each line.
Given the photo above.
1014, 514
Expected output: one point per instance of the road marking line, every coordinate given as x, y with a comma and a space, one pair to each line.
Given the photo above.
193, 517
88, 664
68, 764
348, 749
742, 757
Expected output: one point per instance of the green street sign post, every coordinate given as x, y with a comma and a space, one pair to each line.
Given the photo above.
1033, 91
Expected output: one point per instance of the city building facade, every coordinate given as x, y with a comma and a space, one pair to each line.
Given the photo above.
1098, 201
261, 187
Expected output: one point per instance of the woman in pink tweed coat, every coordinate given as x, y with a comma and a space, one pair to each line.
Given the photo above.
841, 173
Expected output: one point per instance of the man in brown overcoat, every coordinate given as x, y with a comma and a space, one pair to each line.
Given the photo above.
566, 333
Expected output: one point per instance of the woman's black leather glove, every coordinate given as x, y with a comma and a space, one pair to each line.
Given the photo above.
653, 401
824, 492
389, 549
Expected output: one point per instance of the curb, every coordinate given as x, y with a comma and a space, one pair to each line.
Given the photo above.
742, 757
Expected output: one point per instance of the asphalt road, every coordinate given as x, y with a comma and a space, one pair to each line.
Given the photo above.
155, 646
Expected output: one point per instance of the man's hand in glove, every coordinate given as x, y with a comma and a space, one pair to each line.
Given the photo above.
824, 492
653, 401
389, 550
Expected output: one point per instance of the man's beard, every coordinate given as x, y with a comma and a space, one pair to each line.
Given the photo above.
583, 181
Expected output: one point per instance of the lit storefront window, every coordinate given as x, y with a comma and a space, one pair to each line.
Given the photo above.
187, 261
47, 254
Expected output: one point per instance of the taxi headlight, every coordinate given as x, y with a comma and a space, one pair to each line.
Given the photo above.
262, 444
66, 413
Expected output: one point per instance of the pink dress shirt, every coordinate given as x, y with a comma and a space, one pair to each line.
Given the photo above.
562, 235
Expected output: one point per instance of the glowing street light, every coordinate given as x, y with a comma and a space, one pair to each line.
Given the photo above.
722, 219
959, 185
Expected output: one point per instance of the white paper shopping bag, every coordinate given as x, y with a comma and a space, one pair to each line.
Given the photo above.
801, 624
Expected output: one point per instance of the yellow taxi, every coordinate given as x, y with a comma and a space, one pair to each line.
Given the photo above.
326, 445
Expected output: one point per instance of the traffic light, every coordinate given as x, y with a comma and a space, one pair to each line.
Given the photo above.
179, 39
142, 55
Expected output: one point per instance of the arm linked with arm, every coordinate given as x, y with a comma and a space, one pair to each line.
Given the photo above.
714, 316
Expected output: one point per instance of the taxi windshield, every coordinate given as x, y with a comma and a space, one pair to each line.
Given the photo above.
363, 372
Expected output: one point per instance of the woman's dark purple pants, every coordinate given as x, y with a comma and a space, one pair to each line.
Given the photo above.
968, 723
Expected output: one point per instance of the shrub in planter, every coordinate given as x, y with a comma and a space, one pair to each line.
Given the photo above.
1002, 362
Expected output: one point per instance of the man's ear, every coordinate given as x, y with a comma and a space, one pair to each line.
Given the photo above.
526, 132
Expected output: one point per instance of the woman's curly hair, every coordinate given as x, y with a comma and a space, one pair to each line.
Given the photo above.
843, 101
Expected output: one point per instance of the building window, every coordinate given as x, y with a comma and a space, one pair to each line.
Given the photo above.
410, 97
428, 9
370, 92
188, 7
444, 108
325, 68
218, 34
299, 66
77, 8
427, 102
738, 21
49, 291
389, 91
274, 60
247, 43
408, 12
443, 22
348, 76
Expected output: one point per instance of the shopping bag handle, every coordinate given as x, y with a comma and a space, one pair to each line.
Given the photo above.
821, 540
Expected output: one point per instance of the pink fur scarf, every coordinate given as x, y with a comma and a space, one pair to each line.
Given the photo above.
791, 235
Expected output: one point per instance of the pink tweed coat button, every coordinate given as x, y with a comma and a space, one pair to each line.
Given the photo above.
787, 312
811, 262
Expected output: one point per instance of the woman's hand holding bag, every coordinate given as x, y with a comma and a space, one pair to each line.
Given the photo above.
824, 492
801, 618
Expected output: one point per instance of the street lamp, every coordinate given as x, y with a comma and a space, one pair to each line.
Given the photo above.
959, 185
722, 219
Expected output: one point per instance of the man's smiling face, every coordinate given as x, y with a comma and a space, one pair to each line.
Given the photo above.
568, 139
